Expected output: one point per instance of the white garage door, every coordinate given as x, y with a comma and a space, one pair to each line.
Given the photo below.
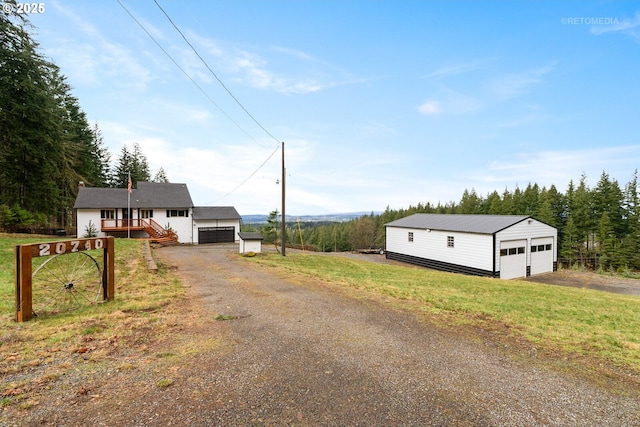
513, 259
542, 255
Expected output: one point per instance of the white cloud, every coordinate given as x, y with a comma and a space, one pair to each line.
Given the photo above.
450, 102
517, 84
249, 67
430, 108
558, 167
456, 69
626, 26
95, 59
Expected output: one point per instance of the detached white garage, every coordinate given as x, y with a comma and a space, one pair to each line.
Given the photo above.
504, 246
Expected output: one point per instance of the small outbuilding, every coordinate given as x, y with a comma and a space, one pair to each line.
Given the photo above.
504, 246
250, 242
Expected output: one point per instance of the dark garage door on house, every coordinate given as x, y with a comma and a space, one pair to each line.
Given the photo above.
216, 234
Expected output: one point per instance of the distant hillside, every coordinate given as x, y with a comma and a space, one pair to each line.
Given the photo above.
339, 217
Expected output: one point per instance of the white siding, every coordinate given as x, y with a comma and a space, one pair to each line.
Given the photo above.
472, 250
246, 246
528, 230
183, 226
82, 221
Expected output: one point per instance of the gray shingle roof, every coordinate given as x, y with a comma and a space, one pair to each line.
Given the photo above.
148, 195
250, 235
215, 212
481, 224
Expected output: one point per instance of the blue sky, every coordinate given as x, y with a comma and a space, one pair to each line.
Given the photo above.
380, 103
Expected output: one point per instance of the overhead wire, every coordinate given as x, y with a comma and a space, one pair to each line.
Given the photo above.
205, 94
183, 71
214, 74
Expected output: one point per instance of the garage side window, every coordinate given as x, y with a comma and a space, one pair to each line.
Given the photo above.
410, 236
449, 241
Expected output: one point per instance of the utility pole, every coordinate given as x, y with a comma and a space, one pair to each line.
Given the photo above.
284, 218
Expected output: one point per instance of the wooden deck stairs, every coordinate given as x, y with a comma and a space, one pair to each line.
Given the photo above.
159, 234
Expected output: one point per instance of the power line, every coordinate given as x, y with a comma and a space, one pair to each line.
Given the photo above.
214, 74
250, 176
183, 71
207, 95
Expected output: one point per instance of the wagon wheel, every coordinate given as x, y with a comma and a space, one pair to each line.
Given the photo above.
66, 282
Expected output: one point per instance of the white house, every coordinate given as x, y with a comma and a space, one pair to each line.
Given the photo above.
504, 246
156, 210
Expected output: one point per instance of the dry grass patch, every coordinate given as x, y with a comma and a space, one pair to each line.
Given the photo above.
78, 346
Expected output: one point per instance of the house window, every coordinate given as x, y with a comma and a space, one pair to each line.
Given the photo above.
177, 212
449, 241
107, 213
146, 213
410, 236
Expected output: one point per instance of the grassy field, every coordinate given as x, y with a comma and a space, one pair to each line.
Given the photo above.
553, 318
147, 321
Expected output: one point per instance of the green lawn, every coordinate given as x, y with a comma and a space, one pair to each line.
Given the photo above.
577, 320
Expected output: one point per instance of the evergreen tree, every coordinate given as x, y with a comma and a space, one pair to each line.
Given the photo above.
98, 168
131, 163
470, 203
30, 136
161, 176
569, 249
493, 204
580, 211
606, 242
630, 250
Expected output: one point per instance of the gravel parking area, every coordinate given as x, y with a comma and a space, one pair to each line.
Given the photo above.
301, 353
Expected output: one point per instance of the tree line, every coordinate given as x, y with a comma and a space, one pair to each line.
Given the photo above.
47, 146
597, 226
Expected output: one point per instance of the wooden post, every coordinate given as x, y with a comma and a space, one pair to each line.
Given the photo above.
108, 265
24, 308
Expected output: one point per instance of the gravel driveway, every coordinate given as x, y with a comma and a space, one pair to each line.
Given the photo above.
302, 354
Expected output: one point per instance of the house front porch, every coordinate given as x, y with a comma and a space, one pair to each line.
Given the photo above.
156, 232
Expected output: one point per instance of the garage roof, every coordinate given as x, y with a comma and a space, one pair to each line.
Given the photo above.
481, 224
215, 212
